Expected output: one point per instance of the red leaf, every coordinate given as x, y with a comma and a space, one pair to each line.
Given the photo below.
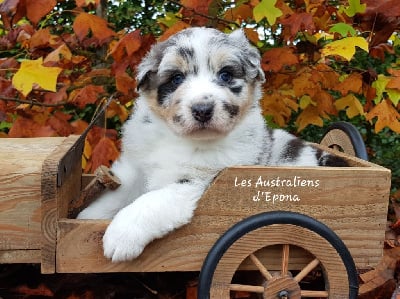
59, 122
41, 290
277, 58
128, 45
104, 153
125, 84
37, 9
25, 127
299, 22
56, 97
84, 3
11, 12
79, 126
87, 95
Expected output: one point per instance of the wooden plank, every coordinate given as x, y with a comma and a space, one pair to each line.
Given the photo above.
20, 256
20, 194
54, 197
352, 201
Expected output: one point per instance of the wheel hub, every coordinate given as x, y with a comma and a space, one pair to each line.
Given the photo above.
282, 288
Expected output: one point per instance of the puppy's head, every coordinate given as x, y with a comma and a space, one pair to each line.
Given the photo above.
201, 81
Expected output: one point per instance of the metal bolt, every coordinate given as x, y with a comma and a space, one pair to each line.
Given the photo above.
283, 295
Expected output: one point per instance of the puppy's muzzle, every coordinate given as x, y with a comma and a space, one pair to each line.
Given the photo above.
203, 112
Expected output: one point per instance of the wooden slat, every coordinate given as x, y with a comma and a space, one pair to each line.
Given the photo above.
55, 198
20, 190
352, 201
20, 256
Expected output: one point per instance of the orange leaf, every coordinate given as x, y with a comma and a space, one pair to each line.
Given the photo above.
41, 290
79, 126
10, 13
87, 95
96, 133
199, 6
352, 83
328, 77
104, 153
277, 58
239, 13
114, 109
252, 35
387, 116
279, 106
325, 104
303, 84
86, 23
178, 26
125, 84
299, 22
309, 116
128, 45
395, 81
25, 127
42, 38
35, 10
61, 53
84, 3
56, 97
59, 122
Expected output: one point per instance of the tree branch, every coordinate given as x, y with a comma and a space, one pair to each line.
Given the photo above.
32, 102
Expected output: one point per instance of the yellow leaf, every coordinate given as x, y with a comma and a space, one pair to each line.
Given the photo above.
387, 116
345, 47
351, 104
309, 116
306, 100
31, 73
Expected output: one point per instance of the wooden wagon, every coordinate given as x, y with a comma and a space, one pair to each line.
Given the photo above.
281, 221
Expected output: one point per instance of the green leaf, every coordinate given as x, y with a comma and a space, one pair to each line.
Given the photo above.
354, 8
267, 9
380, 87
394, 95
169, 19
343, 29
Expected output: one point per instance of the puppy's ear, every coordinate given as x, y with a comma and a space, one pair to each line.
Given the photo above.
251, 55
148, 68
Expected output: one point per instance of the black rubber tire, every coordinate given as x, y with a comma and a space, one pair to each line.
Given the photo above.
268, 218
354, 136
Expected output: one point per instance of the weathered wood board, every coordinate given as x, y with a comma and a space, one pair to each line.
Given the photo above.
352, 201
23, 174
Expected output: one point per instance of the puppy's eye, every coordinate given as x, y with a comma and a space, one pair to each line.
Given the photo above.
178, 79
225, 76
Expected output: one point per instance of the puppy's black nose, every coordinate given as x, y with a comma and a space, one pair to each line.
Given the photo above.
203, 112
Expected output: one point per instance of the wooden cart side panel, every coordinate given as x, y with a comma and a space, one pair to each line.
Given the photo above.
351, 201
54, 198
20, 195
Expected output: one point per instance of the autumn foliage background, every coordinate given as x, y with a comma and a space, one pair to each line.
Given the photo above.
325, 60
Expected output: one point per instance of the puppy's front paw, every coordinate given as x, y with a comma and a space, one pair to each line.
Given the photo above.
123, 241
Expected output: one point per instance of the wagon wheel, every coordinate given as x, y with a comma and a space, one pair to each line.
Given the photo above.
288, 229
345, 137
